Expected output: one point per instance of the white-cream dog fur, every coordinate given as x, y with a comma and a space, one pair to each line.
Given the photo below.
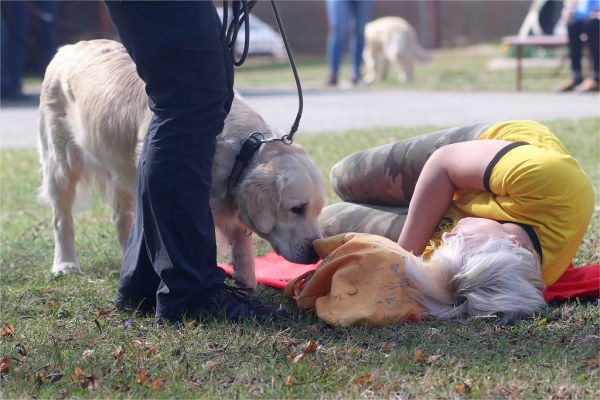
392, 42
92, 122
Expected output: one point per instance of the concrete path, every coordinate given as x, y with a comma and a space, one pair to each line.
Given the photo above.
331, 110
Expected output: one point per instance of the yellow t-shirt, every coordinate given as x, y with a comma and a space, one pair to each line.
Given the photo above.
537, 185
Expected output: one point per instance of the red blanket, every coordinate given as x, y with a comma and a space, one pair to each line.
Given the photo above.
275, 271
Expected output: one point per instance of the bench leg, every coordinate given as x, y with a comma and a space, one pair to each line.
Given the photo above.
519, 68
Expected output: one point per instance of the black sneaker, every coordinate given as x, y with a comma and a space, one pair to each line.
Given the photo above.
233, 304
128, 303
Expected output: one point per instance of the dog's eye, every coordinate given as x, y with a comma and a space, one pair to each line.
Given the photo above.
299, 209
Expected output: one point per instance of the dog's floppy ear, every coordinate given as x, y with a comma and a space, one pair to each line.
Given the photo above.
259, 197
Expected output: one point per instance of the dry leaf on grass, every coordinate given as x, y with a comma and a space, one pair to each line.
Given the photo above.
459, 388
119, 352
91, 382
5, 365
87, 353
418, 355
432, 359
387, 346
77, 374
297, 357
158, 384
211, 365
289, 380
8, 330
356, 350
152, 350
362, 379
311, 347
143, 376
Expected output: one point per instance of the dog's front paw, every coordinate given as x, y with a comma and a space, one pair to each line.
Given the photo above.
66, 268
248, 282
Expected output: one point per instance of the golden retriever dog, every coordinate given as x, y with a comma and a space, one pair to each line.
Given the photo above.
391, 41
92, 121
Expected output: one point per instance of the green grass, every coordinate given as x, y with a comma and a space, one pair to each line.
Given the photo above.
460, 69
66, 322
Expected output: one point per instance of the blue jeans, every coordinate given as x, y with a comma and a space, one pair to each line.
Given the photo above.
171, 254
347, 16
15, 31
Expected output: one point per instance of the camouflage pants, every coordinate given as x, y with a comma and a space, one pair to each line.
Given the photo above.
377, 184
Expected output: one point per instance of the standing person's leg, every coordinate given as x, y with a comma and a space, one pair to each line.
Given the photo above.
575, 29
47, 34
172, 249
377, 184
18, 17
592, 31
338, 13
362, 12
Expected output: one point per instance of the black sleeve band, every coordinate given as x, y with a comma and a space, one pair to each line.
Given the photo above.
532, 235
492, 164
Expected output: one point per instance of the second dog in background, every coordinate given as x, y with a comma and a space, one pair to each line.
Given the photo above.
391, 41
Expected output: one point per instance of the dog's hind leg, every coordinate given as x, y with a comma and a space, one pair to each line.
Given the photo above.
122, 204
61, 170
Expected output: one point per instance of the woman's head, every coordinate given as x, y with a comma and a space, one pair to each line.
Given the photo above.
479, 271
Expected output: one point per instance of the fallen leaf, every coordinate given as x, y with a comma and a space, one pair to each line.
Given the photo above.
432, 359
289, 380
91, 382
158, 384
79, 335
87, 353
8, 330
211, 365
459, 388
311, 347
362, 379
152, 350
5, 365
556, 344
378, 386
592, 361
104, 312
53, 303
143, 377
344, 350
356, 350
297, 357
387, 346
418, 355
77, 374
193, 324
119, 352
40, 377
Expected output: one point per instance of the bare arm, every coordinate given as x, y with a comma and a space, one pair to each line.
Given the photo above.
452, 167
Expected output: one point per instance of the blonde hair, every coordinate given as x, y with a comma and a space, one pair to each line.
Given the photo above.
460, 281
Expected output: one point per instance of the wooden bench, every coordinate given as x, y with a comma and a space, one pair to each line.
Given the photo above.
540, 41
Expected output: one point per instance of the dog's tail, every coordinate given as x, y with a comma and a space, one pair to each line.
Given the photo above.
421, 55
497, 278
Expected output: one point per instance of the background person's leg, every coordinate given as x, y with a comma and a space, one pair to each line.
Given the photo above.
338, 13
387, 175
189, 81
575, 29
17, 16
361, 11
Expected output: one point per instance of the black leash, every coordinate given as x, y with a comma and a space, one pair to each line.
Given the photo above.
241, 12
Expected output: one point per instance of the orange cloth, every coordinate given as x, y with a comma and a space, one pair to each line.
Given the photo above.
360, 281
